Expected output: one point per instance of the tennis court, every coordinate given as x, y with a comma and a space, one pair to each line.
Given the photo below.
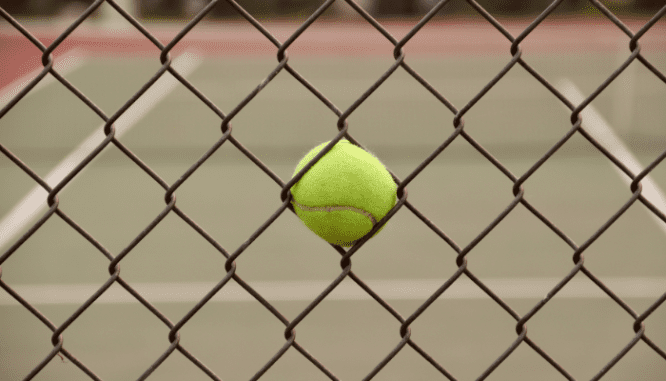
169, 128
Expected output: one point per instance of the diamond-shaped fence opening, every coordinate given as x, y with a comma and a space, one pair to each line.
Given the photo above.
463, 280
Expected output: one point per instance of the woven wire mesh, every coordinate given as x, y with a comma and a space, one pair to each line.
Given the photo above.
458, 132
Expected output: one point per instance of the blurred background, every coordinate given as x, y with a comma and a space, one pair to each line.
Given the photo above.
232, 194
175, 9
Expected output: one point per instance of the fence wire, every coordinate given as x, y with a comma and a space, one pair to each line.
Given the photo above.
228, 138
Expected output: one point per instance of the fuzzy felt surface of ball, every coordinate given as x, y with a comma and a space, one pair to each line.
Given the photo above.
343, 196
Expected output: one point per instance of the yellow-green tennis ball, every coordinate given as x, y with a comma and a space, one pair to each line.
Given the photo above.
343, 196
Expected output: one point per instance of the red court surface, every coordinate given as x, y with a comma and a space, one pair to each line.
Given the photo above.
19, 56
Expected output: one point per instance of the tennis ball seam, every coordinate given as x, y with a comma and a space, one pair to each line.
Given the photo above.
306, 208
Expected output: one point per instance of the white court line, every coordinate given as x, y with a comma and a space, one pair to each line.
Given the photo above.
64, 64
348, 290
595, 124
625, 91
35, 201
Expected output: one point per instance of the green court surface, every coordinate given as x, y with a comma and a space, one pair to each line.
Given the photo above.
230, 198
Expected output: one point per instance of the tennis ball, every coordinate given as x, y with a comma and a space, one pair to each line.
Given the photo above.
343, 196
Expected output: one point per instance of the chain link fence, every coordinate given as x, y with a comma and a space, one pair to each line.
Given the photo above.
458, 132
